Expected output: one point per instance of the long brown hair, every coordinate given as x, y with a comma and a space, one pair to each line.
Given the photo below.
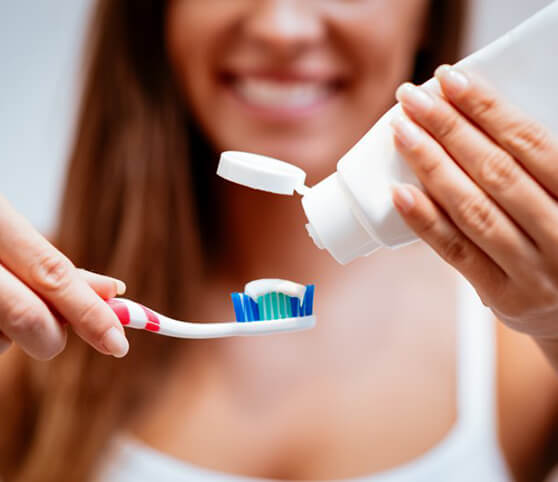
130, 209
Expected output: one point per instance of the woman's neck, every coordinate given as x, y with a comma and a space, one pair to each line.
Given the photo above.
265, 236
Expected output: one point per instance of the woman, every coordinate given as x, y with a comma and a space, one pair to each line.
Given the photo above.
373, 391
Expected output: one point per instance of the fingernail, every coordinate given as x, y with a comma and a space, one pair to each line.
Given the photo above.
414, 98
120, 287
4, 344
115, 343
406, 131
453, 81
402, 198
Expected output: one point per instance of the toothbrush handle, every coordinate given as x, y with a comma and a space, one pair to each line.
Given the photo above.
135, 315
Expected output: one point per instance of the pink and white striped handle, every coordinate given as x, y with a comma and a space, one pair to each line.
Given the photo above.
135, 315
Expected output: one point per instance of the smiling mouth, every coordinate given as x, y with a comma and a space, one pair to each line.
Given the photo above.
286, 95
282, 95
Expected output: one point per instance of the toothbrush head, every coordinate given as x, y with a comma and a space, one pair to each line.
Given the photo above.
274, 304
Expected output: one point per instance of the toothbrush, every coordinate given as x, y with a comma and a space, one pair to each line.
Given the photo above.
273, 312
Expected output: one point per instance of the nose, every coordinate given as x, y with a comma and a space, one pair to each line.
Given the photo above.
284, 26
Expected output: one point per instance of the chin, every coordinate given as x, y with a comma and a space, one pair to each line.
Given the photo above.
315, 160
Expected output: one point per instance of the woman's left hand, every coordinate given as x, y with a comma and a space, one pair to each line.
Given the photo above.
490, 209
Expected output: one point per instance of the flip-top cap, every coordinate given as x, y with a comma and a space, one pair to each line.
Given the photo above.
261, 172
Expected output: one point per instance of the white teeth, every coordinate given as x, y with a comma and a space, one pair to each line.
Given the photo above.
268, 93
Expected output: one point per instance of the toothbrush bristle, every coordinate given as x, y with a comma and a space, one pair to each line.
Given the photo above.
308, 301
272, 306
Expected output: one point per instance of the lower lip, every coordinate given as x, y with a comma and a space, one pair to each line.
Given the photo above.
280, 113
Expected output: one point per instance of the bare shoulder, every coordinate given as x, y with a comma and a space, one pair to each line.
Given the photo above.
527, 402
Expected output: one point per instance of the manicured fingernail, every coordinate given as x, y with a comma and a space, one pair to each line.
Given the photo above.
4, 344
414, 99
403, 198
405, 131
453, 81
120, 287
115, 343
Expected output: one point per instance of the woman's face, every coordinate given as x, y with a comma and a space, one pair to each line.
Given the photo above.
300, 80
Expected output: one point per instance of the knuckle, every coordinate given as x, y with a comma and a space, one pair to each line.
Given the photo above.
482, 106
526, 137
427, 228
446, 126
426, 164
477, 214
498, 172
52, 272
89, 317
454, 250
24, 318
416, 151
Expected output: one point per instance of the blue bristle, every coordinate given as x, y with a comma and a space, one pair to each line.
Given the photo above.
238, 307
247, 308
295, 305
255, 309
308, 301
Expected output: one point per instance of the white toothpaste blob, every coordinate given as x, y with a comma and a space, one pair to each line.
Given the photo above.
260, 287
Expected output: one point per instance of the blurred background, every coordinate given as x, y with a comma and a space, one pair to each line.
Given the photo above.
40, 45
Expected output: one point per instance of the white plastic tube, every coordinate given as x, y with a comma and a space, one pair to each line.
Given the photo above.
351, 214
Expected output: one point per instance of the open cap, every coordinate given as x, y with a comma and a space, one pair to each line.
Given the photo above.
261, 172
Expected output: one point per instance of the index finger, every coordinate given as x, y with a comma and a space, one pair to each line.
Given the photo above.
43, 268
521, 136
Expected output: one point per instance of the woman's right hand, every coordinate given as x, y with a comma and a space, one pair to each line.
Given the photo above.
41, 290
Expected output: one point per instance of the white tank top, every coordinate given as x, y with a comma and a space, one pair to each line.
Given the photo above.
469, 452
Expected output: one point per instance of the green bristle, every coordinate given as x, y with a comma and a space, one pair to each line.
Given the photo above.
274, 303
261, 307
274, 306
268, 308
281, 304
278, 315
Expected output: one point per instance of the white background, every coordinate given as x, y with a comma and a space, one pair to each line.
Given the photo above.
40, 43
